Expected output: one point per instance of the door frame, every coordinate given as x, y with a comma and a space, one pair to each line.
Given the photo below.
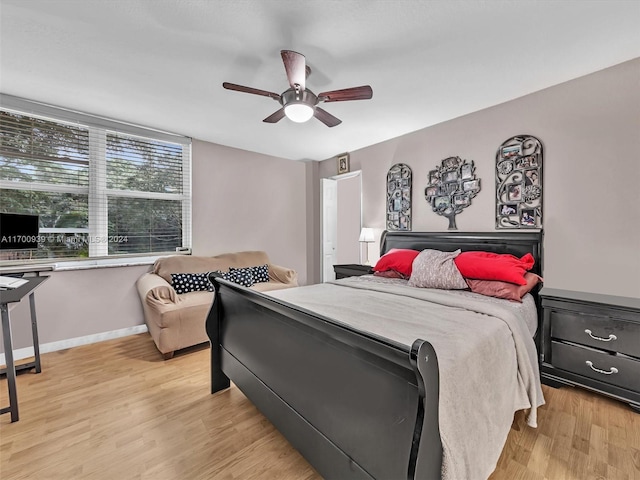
344, 176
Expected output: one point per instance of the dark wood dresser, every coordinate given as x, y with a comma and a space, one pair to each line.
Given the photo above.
351, 270
592, 341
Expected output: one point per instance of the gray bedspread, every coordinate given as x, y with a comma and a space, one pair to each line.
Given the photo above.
486, 355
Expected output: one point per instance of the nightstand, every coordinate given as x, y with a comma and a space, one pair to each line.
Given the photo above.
351, 270
592, 341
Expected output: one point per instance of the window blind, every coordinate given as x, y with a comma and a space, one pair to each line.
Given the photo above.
100, 188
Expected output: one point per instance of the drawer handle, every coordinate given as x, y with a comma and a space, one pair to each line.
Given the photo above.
611, 337
611, 370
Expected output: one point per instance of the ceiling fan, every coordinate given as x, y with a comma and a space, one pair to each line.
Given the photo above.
299, 103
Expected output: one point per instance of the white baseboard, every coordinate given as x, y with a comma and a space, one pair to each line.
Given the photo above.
75, 342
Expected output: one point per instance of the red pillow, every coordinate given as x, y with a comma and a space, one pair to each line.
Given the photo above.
398, 259
494, 266
506, 290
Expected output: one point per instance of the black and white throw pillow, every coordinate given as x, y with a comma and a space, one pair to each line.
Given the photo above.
191, 282
260, 273
241, 276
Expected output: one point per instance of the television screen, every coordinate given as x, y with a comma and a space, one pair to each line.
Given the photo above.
18, 232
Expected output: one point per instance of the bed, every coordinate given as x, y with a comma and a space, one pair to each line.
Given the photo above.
361, 404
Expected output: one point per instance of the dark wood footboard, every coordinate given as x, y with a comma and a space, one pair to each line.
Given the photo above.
355, 406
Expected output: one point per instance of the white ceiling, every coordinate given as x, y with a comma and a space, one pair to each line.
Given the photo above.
161, 63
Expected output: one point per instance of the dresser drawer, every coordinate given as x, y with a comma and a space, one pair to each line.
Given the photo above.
596, 331
616, 370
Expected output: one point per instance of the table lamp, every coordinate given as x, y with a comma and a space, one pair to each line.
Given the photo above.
366, 237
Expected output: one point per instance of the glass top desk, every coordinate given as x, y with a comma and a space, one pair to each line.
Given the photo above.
7, 297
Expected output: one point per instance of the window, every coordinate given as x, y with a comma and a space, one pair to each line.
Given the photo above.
100, 188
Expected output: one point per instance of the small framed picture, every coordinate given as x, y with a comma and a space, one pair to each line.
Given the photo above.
431, 191
507, 209
514, 192
442, 202
471, 185
451, 176
531, 177
433, 177
512, 150
343, 164
528, 218
524, 162
461, 200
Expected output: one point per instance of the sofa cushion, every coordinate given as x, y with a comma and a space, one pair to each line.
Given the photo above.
283, 275
165, 266
244, 259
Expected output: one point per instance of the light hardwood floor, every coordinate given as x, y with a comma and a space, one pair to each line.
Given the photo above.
115, 410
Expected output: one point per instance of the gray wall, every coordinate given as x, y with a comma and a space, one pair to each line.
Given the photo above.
78, 303
590, 130
247, 201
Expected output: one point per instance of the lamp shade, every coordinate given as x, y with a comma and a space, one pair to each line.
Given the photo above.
366, 235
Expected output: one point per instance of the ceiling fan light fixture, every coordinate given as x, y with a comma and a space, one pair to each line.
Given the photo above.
298, 112
299, 103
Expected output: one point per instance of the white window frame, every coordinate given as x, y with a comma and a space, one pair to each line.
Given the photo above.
97, 191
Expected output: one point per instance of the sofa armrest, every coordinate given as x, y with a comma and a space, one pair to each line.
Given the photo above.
156, 289
283, 275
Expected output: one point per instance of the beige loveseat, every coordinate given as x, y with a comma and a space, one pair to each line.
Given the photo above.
177, 321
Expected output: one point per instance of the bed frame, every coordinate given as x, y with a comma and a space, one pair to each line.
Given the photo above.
355, 405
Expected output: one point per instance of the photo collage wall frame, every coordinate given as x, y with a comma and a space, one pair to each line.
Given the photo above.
519, 183
399, 185
451, 187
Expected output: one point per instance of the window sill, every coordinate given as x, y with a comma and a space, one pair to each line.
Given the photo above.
105, 263
88, 264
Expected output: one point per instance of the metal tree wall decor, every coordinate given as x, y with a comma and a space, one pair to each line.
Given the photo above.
399, 197
519, 183
451, 187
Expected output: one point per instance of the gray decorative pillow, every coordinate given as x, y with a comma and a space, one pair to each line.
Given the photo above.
436, 269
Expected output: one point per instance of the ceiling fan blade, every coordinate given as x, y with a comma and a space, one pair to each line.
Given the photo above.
255, 91
295, 66
326, 118
355, 93
275, 116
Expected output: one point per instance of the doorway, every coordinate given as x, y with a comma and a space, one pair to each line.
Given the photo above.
341, 221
